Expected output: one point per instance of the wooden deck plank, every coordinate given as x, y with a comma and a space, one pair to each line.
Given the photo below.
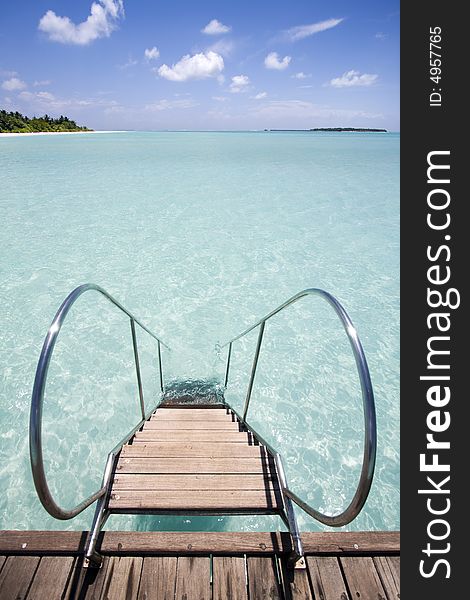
39, 542
193, 578
16, 576
191, 450
158, 579
326, 577
262, 578
211, 542
229, 578
157, 542
87, 583
374, 576
394, 563
192, 415
295, 582
200, 435
362, 578
223, 500
196, 466
122, 578
389, 576
351, 542
52, 575
159, 424
187, 482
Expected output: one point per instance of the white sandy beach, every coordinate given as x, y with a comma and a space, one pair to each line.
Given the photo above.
53, 133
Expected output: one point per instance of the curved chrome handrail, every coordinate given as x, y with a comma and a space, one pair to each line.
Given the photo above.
35, 422
370, 424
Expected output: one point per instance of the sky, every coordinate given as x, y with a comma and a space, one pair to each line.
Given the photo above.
207, 65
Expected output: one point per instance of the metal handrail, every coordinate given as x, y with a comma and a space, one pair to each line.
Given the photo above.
370, 424
35, 423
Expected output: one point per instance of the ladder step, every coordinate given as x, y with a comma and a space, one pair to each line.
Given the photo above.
195, 460
195, 465
224, 501
189, 482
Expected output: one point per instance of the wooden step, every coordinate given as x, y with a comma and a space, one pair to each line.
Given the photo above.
170, 414
195, 465
190, 450
162, 424
192, 482
224, 501
195, 460
201, 435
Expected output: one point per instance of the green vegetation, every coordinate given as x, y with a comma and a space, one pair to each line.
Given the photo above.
15, 122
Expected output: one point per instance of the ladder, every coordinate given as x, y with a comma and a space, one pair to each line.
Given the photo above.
196, 455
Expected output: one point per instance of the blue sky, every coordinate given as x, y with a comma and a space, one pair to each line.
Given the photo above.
143, 64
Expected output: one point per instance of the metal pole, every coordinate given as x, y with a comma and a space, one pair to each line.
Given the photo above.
253, 369
137, 369
228, 363
297, 550
160, 365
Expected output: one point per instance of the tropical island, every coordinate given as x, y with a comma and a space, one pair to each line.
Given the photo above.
360, 129
15, 122
340, 129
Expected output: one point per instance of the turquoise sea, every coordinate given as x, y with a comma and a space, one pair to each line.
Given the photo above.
200, 234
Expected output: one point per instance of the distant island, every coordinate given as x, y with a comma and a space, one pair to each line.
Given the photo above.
366, 129
357, 129
15, 122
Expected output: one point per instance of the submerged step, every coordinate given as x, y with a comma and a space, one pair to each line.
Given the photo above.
192, 392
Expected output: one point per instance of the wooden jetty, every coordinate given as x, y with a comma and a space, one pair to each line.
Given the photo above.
36, 565
194, 454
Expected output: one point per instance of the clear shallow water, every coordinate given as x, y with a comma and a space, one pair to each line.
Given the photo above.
200, 234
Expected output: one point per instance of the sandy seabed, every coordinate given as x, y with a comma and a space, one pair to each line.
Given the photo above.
53, 133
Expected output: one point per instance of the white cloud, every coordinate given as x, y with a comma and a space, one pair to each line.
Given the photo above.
101, 22
46, 96
152, 53
170, 104
198, 66
260, 96
220, 98
298, 109
4, 73
224, 47
381, 36
42, 83
14, 84
302, 31
272, 61
46, 101
215, 27
353, 78
239, 83
130, 62
300, 75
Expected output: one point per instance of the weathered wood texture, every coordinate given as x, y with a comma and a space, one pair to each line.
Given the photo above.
155, 542
262, 578
158, 579
194, 460
193, 578
326, 577
229, 578
243, 572
53, 574
362, 577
